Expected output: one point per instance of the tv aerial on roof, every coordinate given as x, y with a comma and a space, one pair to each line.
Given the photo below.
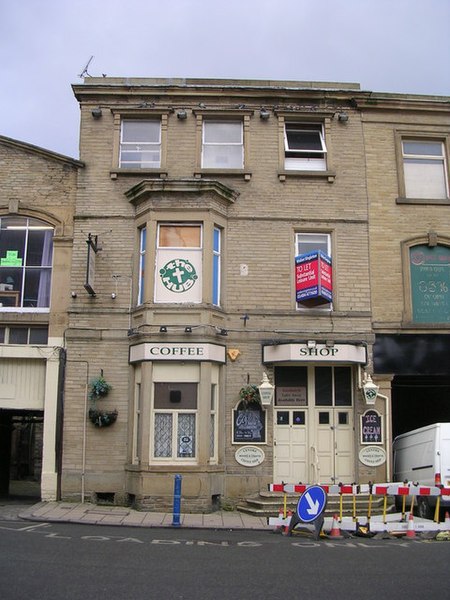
84, 72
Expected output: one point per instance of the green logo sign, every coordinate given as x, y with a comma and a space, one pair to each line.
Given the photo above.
178, 275
11, 260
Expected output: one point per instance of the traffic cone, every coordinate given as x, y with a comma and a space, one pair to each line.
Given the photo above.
447, 520
410, 533
335, 531
288, 524
278, 528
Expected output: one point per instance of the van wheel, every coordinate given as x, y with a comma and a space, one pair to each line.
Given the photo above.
423, 509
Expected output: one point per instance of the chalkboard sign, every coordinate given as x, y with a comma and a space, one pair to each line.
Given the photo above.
430, 283
249, 426
371, 428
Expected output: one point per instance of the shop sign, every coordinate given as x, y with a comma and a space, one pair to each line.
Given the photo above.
344, 353
371, 428
313, 278
174, 351
372, 456
249, 456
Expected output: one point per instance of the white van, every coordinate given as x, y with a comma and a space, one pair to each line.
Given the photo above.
423, 456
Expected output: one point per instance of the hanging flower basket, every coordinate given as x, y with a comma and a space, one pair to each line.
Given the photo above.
249, 394
99, 388
102, 418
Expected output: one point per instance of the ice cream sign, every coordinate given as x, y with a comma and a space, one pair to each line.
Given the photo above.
313, 278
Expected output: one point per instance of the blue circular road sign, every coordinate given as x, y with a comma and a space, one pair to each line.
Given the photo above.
311, 504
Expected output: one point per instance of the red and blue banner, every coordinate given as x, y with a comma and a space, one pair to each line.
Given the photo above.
313, 278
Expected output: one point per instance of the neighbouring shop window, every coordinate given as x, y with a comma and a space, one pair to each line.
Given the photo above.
142, 246
175, 417
24, 335
249, 424
26, 256
430, 283
313, 271
424, 168
291, 386
222, 145
140, 144
178, 276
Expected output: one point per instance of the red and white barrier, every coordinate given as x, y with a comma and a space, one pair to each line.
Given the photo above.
376, 489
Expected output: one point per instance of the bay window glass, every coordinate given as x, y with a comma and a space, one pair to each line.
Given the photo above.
140, 144
223, 145
216, 266
424, 167
142, 244
179, 263
26, 255
175, 418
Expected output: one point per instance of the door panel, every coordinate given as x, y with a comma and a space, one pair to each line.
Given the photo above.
290, 451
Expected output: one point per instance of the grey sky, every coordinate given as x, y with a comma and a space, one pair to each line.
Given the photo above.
385, 45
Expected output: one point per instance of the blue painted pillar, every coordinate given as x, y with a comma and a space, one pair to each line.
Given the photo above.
177, 501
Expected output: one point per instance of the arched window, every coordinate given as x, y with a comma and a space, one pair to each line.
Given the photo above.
26, 253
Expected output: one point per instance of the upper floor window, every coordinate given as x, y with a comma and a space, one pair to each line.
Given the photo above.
26, 253
429, 269
222, 145
424, 169
304, 146
140, 144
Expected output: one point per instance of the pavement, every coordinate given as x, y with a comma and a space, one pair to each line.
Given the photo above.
93, 514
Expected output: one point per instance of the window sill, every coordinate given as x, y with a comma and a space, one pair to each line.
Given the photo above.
440, 201
329, 175
116, 172
247, 175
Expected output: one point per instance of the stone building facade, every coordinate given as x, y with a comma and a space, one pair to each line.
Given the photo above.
37, 203
224, 231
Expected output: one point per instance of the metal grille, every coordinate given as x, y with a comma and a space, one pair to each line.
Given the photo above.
186, 435
163, 435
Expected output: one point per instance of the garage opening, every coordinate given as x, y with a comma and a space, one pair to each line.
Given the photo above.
21, 441
418, 401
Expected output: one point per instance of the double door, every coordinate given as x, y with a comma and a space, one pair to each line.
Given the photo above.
314, 442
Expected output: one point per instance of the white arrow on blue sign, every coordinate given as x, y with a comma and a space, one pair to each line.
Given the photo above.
311, 504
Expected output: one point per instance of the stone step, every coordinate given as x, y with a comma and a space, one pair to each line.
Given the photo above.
269, 504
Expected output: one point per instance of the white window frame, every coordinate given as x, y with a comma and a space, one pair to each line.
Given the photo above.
154, 146
312, 237
301, 159
217, 267
214, 424
224, 145
411, 191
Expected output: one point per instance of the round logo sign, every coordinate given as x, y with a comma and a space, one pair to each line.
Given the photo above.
372, 456
249, 456
178, 275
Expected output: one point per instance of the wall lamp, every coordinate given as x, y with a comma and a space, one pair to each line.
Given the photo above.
182, 114
163, 329
222, 332
311, 343
343, 117
264, 114
188, 329
97, 112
